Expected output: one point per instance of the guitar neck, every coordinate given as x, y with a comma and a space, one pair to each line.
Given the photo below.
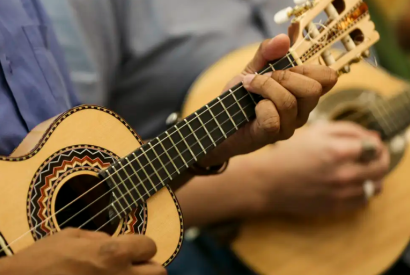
146, 170
392, 116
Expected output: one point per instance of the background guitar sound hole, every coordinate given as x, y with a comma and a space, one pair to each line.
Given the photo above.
85, 211
353, 114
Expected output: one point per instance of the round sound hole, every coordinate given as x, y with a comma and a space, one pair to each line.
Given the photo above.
351, 113
84, 202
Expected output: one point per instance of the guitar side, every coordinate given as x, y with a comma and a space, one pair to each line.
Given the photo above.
79, 142
366, 242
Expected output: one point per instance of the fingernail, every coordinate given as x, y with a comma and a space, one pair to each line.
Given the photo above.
247, 80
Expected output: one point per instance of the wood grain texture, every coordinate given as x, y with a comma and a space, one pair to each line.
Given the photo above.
363, 243
82, 125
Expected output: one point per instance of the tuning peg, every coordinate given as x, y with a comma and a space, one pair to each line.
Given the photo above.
300, 2
346, 69
366, 54
283, 16
172, 119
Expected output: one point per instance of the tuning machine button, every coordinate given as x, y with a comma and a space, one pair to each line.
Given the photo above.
283, 16
346, 69
172, 119
366, 54
300, 2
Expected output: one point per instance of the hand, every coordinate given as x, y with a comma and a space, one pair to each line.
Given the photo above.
317, 171
290, 96
79, 252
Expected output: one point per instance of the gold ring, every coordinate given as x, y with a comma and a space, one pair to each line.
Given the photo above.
368, 151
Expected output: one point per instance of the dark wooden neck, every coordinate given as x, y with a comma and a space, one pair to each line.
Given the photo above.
146, 170
392, 116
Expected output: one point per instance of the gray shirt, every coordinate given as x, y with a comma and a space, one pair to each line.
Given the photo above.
139, 57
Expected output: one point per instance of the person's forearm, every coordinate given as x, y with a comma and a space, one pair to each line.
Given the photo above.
230, 195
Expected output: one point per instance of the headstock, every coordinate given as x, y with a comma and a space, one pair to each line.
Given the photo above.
347, 21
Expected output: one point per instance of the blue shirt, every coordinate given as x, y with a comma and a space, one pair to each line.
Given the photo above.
34, 82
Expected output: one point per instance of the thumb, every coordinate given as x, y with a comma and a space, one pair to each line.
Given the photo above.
81, 233
268, 50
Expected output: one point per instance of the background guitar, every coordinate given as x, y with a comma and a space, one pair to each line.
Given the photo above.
368, 241
86, 168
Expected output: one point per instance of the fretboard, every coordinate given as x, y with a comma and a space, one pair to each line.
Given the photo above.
152, 166
392, 116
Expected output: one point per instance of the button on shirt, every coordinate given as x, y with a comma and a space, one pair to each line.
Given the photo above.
34, 83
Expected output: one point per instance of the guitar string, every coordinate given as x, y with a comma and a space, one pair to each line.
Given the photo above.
264, 71
371, 110
297, 45
153, 146
59, 211
159, 184
129, 177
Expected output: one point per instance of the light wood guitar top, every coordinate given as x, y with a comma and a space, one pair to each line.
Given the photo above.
364, 243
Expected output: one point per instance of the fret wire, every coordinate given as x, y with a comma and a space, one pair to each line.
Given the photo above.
386, 112
182, 137
378, 117
119, 190
217, 122
206, 130
196, 137
176, 148
230, 90
126, 158
229, 115
272, 68
395, 112
181, 167
290, 60
145, 172
107, 178
139, 179
240, 106
152, 166
123, 182
165, 168
118, 200
263, 71
166, 152
113, 205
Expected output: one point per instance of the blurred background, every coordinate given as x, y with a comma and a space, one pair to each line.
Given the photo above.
140, 58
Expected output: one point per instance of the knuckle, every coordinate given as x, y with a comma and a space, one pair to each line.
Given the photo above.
283, 76
336, 154
332, 76
344, 177
266, 82
113, 251
289, 102
315, 89
270, 124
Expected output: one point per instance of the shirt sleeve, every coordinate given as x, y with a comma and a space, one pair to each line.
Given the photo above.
88, 33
